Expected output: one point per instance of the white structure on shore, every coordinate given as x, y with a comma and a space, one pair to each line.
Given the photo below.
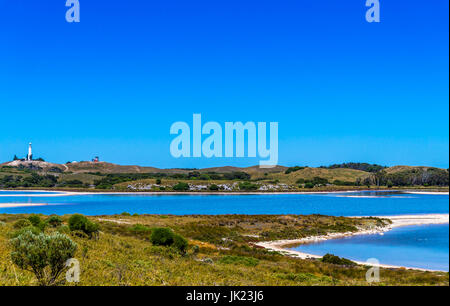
30, 153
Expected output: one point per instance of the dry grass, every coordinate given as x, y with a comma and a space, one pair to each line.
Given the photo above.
123, 257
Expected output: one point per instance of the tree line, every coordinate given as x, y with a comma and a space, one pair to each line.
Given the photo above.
409, 177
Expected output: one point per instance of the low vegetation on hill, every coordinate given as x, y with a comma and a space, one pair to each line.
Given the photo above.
101, 176
357, 166
180, 250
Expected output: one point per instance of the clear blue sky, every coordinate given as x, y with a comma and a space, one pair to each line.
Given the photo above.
341, 89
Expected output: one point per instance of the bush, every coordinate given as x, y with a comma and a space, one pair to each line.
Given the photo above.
21, 223
54, 221
63, 229
158, 181
336, 260
162, 236
205, 177
165, 237
343, 183
309, 185
213, 187
181, 187
35, 220
81, 223
125, 214
293, 169
44, 255
30, 228
180, 243
247, 186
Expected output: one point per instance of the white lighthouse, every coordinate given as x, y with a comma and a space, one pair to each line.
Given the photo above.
30, 153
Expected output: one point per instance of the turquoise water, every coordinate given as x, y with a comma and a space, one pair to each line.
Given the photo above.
424, 246
343, 204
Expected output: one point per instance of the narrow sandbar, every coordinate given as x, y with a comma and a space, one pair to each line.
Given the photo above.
9, 205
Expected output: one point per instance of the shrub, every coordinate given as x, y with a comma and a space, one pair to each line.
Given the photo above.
213, 187
309, 185
81, 223
158, 181
63, 229
343, 183
181, 187
35, 220
44, 255
166, 237
317, 180
247, 186
125, 214
195, 249
162, 236
300, 181
205, 177
54, 221
336, 260
30, 228
180, 243
21, 223
293, 169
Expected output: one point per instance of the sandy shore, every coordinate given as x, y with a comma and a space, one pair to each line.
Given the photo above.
6, 205
427, 192
59, 193
397, 221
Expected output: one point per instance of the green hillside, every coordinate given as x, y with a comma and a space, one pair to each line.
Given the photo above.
108, 176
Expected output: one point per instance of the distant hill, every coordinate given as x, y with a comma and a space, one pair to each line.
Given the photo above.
249, 170
88, 174
103, 167
36, 165
306, 172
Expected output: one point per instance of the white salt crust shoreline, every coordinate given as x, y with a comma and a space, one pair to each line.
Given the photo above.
75, 193
397, 221
7, 205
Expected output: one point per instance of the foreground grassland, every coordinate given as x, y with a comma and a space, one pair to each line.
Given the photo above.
220, 252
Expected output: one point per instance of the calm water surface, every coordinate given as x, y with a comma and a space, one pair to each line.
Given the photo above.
424, 246
342, 204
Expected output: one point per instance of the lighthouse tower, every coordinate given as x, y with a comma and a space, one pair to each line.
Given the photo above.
30, 153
